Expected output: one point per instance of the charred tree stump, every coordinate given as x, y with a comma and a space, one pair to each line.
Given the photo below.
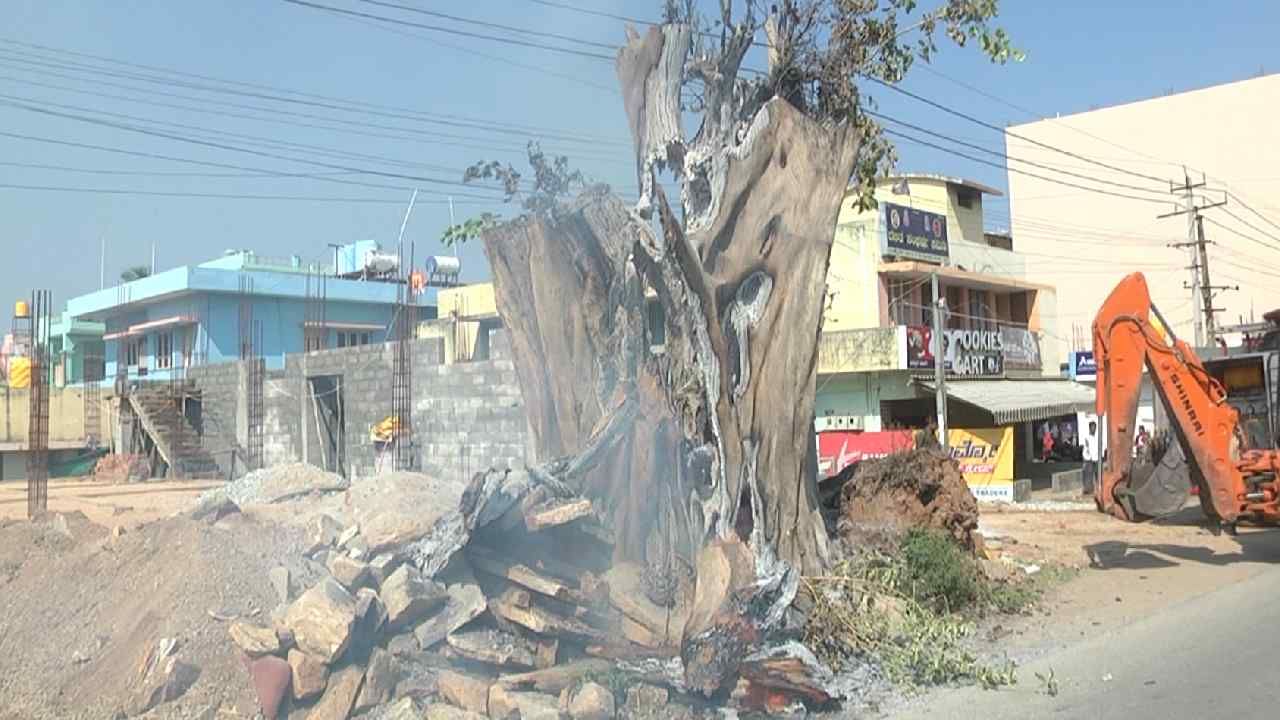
712, 436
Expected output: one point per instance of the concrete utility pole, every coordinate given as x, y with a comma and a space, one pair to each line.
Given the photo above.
939, 360
1200, 286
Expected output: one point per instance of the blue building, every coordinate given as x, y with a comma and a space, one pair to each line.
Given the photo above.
194, 315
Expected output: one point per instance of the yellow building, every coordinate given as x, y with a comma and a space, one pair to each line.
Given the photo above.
464, 317
1000, 346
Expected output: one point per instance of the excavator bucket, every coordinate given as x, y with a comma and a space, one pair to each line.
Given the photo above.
1159, 481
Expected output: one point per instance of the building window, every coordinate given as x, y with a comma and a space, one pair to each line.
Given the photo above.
134, 350
966, 198
979, 311
901, 310
926, 304
352, 339
164, 350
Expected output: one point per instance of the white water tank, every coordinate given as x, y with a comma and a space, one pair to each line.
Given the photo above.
443, 265
377, 262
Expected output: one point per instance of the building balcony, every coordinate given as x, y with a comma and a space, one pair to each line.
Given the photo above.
997, 351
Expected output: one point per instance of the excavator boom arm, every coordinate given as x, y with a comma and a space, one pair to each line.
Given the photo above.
1128, 335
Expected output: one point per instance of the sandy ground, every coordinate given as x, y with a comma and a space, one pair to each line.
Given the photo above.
127, 504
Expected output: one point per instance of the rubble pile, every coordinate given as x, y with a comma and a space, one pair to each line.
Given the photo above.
502, 597
122, 468
885, 497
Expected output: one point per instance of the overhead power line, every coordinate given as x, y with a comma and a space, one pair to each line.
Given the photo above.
221, 196
344, 125
957, 153
496, 26
1006, 131
1251, 209
339, 105
1227, 211
1010, 158
451, 31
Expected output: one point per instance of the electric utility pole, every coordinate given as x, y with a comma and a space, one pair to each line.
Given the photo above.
939, 360
1200, 286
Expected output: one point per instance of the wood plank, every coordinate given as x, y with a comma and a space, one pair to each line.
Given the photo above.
555, 513
518, 608
525, 576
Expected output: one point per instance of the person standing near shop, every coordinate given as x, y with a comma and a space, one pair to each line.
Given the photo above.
1089, 452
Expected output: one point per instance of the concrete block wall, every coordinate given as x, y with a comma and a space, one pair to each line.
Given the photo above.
221, 394
466, 416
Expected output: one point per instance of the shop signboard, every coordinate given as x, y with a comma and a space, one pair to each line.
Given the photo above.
972, 353
1021, 348
985, 456
1081, 366
906, 232
837, 449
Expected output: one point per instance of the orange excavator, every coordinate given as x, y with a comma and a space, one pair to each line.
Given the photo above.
1207, 447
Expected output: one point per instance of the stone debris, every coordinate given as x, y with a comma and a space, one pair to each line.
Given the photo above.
351, 573
380, 680
504, 600
464, 691
321, 620
280, 580
162, 677
310, 675
465, 602
322, 533
271, 677
410, 598
254, 640
340, 695
591, 701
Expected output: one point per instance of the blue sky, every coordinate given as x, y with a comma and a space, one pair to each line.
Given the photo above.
445, 100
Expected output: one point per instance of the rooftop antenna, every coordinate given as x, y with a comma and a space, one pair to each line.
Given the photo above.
102, 262
452, 220
153, 257
404, 223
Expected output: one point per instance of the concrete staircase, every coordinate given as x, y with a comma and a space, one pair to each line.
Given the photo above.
174, 438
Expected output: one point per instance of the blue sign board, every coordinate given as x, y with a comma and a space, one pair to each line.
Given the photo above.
915, 234
1081, 366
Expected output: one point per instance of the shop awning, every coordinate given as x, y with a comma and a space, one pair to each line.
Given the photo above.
1013, 401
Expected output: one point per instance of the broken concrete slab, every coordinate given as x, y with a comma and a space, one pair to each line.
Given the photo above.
465, 602
402, 507
321, 620
353, 574
310, 675
409, 597
464, 691
253, 640
211, 508
340, 696
380, 678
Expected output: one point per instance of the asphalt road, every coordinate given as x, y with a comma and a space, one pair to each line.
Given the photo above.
1213, 656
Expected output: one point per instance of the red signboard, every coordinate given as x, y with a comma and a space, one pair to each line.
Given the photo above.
838, 448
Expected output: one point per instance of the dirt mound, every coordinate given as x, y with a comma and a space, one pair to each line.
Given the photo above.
919, 488
83, 608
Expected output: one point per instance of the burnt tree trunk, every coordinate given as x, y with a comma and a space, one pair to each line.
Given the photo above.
713, 435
